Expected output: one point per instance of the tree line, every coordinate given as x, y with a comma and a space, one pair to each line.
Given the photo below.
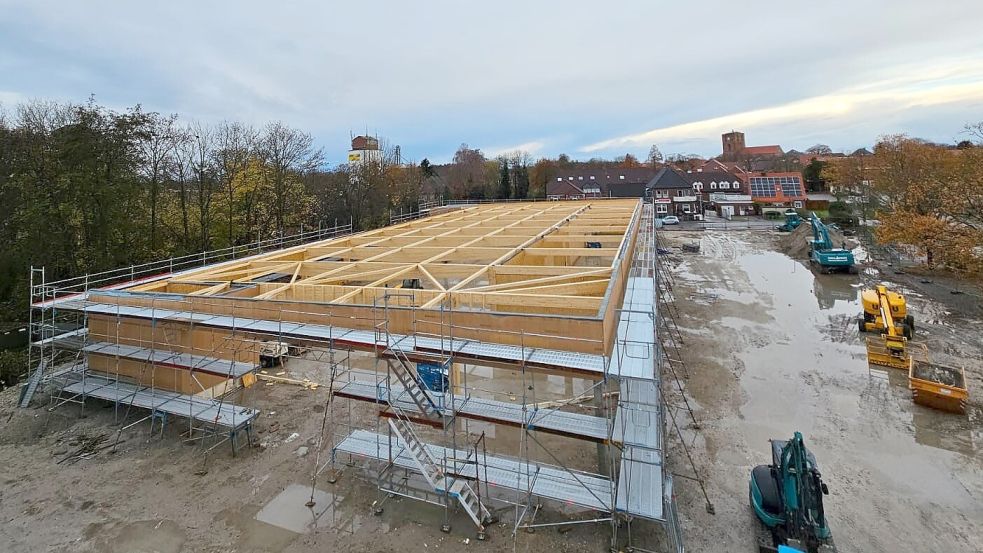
85, 188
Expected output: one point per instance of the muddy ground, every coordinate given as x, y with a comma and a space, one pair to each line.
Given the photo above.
769, 348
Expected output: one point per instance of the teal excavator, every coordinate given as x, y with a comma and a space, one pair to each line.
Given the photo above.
787, 496
830, 259
792, 222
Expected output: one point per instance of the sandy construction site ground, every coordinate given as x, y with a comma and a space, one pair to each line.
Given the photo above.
769, 348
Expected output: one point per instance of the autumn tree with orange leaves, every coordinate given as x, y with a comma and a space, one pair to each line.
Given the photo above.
924, 195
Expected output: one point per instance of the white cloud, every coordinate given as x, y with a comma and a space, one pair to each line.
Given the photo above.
912, 88
434, 75
531, 148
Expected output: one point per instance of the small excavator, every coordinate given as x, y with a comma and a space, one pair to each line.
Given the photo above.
871, 319
792, 222
787, 496
890, 349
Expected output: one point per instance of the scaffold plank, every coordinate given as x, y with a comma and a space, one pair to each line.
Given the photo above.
226, 415
634, 352
200, 363
553, 421
545, 481
640, 483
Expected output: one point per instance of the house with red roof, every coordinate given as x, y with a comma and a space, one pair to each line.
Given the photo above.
773, 191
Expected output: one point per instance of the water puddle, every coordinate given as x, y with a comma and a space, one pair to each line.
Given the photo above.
144, 536
289, 511
808, 357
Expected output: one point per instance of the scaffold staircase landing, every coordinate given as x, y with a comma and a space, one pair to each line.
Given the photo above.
437, 478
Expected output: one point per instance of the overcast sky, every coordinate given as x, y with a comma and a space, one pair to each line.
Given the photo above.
584, 78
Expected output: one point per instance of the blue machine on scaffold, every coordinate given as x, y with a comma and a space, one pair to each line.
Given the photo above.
433, 376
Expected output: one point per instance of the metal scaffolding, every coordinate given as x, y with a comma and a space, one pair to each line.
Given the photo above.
423, 442
64, 346
631, 484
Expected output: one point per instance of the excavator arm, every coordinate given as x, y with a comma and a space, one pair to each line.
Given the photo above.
787, 496
819, 234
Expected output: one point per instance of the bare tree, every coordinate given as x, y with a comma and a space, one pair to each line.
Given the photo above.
655, 159
202, 144
288, 154
235, 146
181, 162
975, 130
468, 173
157, 146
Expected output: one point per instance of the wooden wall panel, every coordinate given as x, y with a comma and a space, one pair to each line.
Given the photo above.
161, 378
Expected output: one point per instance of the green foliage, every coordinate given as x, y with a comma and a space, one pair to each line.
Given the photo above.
13, 364
841, 213
521, 182
84, 188
812, 174
427, 169
504, 181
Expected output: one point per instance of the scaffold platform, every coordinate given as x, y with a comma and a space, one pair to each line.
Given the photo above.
225, 415
164, 358
638, 420
578, 364
554, 421
580, 489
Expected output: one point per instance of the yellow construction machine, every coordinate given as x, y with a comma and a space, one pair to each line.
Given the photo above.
872, 320
931, 384
891, 348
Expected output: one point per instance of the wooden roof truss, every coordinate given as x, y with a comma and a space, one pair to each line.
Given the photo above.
553, 258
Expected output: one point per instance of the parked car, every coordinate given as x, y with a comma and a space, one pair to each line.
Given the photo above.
670, 220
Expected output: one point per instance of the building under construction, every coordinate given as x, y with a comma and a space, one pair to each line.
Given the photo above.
535, 319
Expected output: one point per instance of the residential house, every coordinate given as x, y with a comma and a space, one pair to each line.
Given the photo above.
593, 182
777, 192
721, 191
673, 194
708, 182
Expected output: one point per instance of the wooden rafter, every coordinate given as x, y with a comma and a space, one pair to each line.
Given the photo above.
521, 257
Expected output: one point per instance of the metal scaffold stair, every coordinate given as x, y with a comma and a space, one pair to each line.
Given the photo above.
32, 385
436, 477
411, 384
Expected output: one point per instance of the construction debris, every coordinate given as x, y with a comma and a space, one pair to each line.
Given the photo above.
270, 380
88, 446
